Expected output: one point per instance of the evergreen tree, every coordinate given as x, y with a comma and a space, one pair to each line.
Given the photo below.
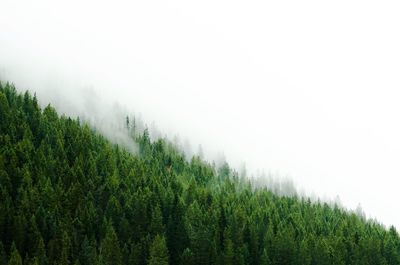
264, 260
158, 252
40, 253
187, 257
88, 254
15, 258
65, 253
110, 252
156, 225
4, 113
3, 255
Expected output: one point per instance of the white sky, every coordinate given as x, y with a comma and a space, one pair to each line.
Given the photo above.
308, 89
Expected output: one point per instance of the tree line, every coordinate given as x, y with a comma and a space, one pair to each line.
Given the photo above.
69, 196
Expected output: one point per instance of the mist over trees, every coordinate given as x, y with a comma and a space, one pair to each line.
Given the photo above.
70, 196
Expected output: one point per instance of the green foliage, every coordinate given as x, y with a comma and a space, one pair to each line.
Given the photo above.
187, 257
158, 251
68, 196
3, 255
110, 252
15, 258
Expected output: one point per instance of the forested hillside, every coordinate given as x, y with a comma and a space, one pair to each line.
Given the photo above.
69, 196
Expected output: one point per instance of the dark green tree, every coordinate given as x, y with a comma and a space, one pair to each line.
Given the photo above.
158, 252
3, 255
187, 257
15, 257
110, 252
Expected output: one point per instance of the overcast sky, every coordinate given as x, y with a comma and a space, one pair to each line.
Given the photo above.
306, 89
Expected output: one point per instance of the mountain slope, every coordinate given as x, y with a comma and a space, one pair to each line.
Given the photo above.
69, 196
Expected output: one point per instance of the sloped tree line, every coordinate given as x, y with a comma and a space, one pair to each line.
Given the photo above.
69, 196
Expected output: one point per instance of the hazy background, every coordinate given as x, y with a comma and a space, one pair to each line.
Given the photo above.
305, 89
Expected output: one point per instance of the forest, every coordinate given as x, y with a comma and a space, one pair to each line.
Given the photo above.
70, 196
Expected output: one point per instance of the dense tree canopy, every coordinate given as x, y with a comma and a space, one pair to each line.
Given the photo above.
69, 196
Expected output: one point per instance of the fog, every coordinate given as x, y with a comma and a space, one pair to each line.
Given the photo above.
304, 90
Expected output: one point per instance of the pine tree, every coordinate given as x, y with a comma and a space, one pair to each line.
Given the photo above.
156, 225
15, 258
40, 253
304, 254
187, 257
136, 254
110, 251
4, 113
33, 235
88, 254
34, 261
65, 253
158, 252
3, 255
229, 254
264, 260
19, 230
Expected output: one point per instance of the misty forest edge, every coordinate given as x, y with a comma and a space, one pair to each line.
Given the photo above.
69, 196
